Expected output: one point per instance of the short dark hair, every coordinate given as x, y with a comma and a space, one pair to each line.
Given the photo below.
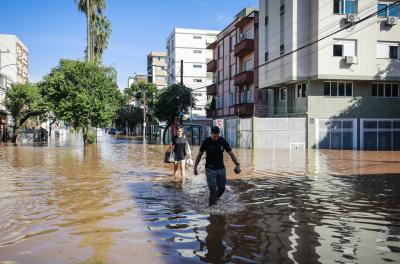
215, 130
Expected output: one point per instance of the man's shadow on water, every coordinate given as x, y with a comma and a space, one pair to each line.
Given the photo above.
213, 243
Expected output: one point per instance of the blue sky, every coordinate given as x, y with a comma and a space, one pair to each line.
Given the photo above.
54, 29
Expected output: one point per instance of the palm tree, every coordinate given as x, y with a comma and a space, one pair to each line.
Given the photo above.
102, 32
90, 8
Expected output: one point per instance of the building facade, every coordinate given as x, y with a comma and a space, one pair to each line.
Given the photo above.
13, 69
156, 68
234, 91
190, 45
336, 63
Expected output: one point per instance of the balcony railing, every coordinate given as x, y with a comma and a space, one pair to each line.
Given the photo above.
244, 47
212, 66
212, 89
244, 78
244, 109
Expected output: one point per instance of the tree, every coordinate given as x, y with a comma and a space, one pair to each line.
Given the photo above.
24, 101
102, 32
83, 94
173, 99
98, 27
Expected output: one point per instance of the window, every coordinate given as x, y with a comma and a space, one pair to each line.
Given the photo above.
344, 47
231, 99
197, 66
387, 50
220, 51
282, 49
246, 97
282, 28
197, 80
301, 90
383, 11
233, 70
248, 65
282, 94
340, 89
386, 90
220, 76
196, 37
218, 102
266, 56
345, 6
233, 42
197, 51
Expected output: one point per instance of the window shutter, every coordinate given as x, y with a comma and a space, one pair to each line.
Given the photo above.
382, 50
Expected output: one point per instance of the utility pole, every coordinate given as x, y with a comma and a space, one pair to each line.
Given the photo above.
182, 72
144, 116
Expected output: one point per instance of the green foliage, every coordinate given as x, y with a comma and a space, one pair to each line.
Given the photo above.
82, 94
133, 117
90, 138
25, 101
171, 100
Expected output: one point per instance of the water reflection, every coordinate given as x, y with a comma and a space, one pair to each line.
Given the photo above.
81, 205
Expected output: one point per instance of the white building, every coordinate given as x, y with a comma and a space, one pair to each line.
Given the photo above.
190, 45
13, 69
346, 84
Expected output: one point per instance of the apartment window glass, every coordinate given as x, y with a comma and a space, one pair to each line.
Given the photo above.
301, 90
197, 80
197, 51
383, 11
233, 70
282, 94
385, 90
197, 66
340, 89
266, 30
220, 51
248, 65
345, 6
233, 42
282, 28
344, 47
196, 37
220, 76
387, 50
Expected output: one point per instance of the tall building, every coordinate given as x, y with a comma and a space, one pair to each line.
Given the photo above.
156, 68
137, 78
13, 69
235, 91
190, 45
345, 84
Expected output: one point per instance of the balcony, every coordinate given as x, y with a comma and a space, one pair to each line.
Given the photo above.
244, 109
212, 89
212, 66
244, 78
244, 47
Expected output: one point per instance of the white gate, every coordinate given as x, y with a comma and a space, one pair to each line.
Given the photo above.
231, 131
246, 133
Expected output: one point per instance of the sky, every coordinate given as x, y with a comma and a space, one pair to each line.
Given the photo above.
55, 29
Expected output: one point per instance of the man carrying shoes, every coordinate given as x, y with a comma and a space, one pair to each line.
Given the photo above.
214, 147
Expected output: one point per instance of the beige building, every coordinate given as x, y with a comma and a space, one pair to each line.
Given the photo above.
156, 68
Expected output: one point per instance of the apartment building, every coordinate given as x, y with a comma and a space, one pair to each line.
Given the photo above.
234, 91
13, 69
156, 68
335, 63
190, 45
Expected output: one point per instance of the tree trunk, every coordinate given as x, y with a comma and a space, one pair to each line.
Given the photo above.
165, 132
15, 133
84, 135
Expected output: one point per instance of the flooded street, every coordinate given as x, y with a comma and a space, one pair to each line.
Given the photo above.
114, 202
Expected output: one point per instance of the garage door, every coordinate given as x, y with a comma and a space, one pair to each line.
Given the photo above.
336, 133
380, 134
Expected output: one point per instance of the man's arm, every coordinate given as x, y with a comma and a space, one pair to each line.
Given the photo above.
234, 159
196, 163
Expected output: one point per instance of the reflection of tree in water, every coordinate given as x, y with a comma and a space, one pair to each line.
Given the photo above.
82, 192
213, 243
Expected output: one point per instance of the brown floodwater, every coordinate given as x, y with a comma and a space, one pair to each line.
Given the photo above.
114, 202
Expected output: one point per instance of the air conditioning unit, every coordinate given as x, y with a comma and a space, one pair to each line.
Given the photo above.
391, 20
351, 18
351, 60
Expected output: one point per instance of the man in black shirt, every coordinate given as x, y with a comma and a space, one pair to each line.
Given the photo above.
214, 146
